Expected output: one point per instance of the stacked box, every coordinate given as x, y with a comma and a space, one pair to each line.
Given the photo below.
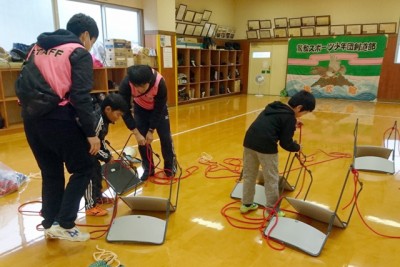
116, 52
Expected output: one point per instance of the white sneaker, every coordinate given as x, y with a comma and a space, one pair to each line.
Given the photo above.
73, 234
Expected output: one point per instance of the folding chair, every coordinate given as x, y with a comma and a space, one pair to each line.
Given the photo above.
304, 236
284, 183
374, 158
140, 227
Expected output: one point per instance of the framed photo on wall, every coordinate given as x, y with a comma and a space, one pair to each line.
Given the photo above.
280, 22
389, 27
308, 21
294, 22
280, 32
265, 24
307, 31
353, 29
253, 25
369, 28
252, 34
181, 12
189, 15
212, 29
205, 29
198, 29
180, 28
189, 29
336, 30
294, 32
321, 30
323, 20
206, 15
265, 34
197, 17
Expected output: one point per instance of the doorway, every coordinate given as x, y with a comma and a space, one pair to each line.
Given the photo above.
267, 68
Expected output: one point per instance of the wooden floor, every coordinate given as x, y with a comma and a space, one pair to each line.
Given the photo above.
198, 234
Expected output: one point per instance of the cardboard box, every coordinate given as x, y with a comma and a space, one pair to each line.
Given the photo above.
115, 43
113, 61
116, 52
146, 60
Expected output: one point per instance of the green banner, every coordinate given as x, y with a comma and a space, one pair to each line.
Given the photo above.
336, 67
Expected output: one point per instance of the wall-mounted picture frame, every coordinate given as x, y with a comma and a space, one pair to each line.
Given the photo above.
388, 27
294, 32
198, 29
323, 20
189, 15
189, 29
321, 30
205, 29
180, 28
181, 12
336, 29
352, 29
253, 34
280, 32
212, 29
280, 22
294, 22
369, 28
253, 25
197, 17
265, 34
206, 15
307, 31
308, 21
265, 24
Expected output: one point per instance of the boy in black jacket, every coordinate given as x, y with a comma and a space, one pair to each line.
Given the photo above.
276, 123
109, 111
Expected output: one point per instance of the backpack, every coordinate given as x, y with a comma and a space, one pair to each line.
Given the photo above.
35, 95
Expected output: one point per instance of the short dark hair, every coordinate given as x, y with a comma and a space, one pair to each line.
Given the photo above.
140, 74
115, 101
304, 98
79, 23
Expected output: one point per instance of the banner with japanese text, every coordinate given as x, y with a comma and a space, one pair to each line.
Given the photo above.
346, 67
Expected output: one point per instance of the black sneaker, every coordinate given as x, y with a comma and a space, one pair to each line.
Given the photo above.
146, 175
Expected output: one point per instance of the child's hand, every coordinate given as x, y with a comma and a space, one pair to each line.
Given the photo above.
299, 124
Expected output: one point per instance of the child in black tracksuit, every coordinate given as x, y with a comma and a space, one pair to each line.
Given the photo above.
107, 111
276, 123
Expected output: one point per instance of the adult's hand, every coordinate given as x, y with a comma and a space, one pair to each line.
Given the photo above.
94, 143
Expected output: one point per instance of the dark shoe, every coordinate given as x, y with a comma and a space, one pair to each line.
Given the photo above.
146, 175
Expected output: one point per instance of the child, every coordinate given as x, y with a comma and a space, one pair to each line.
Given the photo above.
109, 111
276, 123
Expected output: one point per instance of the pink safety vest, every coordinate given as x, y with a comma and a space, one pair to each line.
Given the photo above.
146, 100
55, 67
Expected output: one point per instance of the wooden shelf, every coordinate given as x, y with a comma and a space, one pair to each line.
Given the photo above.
106, 80
209, 73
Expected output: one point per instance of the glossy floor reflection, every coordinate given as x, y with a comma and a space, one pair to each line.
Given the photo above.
198, 234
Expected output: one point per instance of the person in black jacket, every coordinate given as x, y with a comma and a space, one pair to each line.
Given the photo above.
276, 123
149, 93
109, 110
55, 137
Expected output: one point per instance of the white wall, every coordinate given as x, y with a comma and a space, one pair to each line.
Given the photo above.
341, 11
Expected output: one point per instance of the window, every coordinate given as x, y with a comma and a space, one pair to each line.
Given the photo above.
26, 19
20, 24
114, 22
66, 9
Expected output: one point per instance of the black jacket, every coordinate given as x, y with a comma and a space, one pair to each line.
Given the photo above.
102, 124
276, 123
160, 103
82, 82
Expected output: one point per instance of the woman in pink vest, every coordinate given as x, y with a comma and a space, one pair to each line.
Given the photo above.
61, 60
149, 93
